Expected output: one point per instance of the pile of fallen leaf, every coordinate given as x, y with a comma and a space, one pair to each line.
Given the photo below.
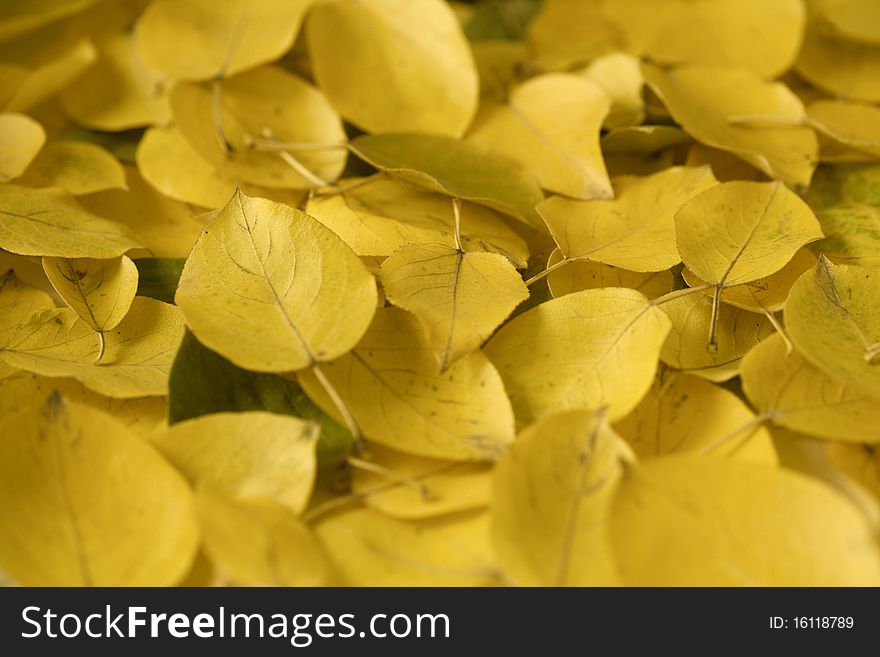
396, 292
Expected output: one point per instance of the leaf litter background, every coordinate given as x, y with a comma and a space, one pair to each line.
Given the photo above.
407, 292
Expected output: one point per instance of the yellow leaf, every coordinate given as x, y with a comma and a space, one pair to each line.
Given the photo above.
580, 275
369, 549
725, 166
456, 168
550, 497
854, 19
846, 69
861, 462
691, 521
634, 231
736, 332
167, 228
201, 39
22, 139
143, 416
272, 289
246, 455
717, 31
828, 462
138, 352
833, 318
768, 293
852, 124
49, 222
18, 301
76, 167
584, 350
549, 125
461, 298
394, 65
377, 217
738, 232
260, 543
399, 398
565, 33
166, 161
498, 64
86, 503
684, 413
21, 17
451, 486
241, 125
732, 109
798, 396
40, 81
620, 75
118, 92
99, 291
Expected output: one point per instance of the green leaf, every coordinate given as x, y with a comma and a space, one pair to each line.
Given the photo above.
203, 382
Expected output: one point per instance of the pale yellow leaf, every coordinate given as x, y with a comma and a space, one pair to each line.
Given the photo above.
460, 297
138, 352
22, 139
272, 289
86, 503
167, 228
394, 65
247, 455
49, 222
844, 68
99, 291
43, 80
377, 217
798, 396
738, 232
734, 110
736, 332
118, 92
143, 416
550, 497
456, 168
854, 125
259, 542
756, 35
692, 521
77, 167
684, 413
565, 33
768, 293
833, 318
451, 486
204, 39
549, 125
232, 126
634, 231
399, 398
369, 549
585, 350
620, 75
588, 275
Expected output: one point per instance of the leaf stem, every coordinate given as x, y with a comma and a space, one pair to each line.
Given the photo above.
789, 347
101, 347
456, 213
216, 117
677, 294
333, 190
346, 413
399, 477
750, 426
712, 344
543, 274
271, 145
